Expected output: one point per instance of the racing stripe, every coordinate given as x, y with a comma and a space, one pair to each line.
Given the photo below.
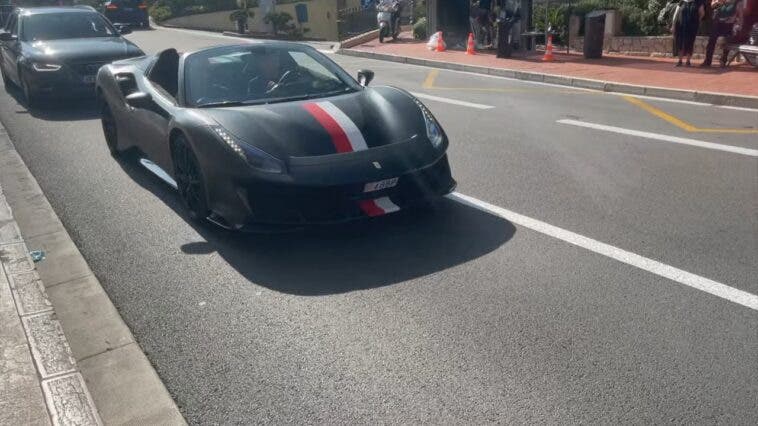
339, 138
346, 136
378, 207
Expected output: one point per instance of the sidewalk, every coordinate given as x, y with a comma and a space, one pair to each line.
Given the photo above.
40, 383
66, 356
736, 85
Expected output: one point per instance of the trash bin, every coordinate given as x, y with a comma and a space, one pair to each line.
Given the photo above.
594, 30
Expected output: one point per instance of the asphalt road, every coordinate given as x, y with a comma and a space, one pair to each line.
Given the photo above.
456, 316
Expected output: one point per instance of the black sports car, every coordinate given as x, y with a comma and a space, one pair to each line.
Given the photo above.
273, 133
58, 50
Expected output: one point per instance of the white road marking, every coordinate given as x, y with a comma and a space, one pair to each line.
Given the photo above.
680, 276
664, 138
451, 101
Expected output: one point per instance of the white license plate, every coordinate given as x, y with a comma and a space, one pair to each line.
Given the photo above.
382, 184
88, 79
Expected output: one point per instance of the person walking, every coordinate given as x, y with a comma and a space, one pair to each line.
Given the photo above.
724, 15
687, 19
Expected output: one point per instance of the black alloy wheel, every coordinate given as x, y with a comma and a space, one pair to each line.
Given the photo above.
30, 96
189, 180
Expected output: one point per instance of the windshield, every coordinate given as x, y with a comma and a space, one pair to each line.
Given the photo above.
39, 27
261, 74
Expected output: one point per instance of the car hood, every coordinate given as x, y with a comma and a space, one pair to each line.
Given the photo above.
99, 49
369, 118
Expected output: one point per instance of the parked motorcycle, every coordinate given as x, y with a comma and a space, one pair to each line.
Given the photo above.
388, 18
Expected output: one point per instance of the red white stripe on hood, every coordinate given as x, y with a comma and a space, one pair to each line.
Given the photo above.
345, 135
378, 207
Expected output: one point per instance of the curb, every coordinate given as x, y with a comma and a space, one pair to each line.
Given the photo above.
584, 83
77, 336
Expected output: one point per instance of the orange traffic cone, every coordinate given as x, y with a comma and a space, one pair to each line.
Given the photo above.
549, 50
440, 42
470, 49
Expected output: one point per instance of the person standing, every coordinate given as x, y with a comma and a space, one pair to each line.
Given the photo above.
687, 19
724, 15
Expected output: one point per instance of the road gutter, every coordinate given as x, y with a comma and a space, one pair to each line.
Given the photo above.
88, 364
711, 98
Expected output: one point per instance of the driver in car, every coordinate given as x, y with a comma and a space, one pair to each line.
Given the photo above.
269, 73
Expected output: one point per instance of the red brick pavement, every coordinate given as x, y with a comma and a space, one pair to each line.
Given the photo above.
658, 72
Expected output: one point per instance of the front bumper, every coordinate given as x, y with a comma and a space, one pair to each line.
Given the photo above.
64, 82
281, 204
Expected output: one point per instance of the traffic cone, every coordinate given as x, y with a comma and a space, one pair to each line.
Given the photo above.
549, 49
440, 42
470, 50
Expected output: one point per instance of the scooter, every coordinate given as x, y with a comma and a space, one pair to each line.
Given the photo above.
388, 18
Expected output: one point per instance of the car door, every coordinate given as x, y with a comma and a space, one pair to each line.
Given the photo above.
11, 50
152, 121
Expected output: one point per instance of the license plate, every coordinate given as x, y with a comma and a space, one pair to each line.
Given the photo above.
382, 184
88, 79
128, 9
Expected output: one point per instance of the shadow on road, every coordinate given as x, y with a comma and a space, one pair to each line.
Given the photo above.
354, 256
58, 109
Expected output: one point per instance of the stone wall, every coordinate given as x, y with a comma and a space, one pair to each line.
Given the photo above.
662, 46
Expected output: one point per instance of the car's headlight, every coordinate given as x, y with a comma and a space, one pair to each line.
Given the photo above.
43, 67
433, 129
255, 157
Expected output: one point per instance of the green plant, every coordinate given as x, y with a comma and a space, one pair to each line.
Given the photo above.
241, 15
419, 29
160, 13
280, 21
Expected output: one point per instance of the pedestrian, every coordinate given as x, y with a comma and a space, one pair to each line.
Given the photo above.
687, 19
724, 15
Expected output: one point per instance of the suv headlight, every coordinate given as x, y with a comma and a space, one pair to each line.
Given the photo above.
433, 129
253, 156
44, 67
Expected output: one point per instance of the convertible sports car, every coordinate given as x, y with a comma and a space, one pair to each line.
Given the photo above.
273, 133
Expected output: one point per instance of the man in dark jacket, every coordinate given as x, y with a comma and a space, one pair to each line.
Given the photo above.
724, 12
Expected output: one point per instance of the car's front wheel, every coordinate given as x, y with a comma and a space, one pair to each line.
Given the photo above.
110, 131
31, 97
6, 81
189, 179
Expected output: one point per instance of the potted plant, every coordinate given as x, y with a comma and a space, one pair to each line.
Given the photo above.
241, 15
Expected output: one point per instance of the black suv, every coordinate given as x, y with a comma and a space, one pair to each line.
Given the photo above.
58, 50
127, 12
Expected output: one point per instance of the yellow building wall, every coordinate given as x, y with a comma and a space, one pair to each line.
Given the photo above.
322, 18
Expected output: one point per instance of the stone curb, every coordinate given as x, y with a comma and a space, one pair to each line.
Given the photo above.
92, 370
66, 396
605, 86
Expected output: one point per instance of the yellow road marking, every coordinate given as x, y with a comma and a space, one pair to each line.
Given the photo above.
687, 127
431, 79
429, 82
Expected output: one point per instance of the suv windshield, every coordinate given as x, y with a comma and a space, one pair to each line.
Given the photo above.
261, 74
55, 26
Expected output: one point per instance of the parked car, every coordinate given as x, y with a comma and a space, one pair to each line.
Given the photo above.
127, 12
273, 134
58, 50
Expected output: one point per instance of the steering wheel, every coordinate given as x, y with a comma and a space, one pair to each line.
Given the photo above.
288, 76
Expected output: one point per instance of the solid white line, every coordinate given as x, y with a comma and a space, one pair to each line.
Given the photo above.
451, 101
682, 277
664, 138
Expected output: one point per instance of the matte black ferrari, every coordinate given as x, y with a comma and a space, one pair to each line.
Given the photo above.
273, 133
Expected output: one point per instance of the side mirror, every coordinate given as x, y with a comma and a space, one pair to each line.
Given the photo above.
6, 36
123, 29
365, 77
139, 100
